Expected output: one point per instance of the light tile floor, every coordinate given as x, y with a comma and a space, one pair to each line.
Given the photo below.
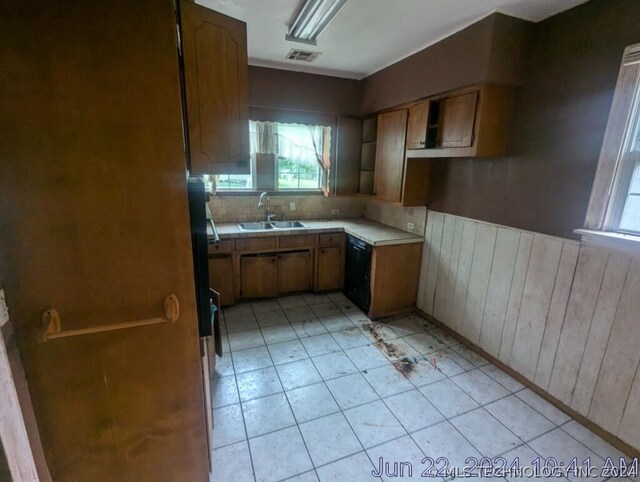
310, 389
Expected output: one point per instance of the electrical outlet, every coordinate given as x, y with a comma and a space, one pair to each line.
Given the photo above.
292, 206
335, 212
410, 226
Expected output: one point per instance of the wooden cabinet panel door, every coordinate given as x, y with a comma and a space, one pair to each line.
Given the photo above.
457, 119
390, 154
348, 149
221, 278
216, 84
294, 272
330, 269
417, 129
259, 275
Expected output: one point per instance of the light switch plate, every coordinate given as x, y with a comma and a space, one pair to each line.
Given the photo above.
4, 311
410, 226
292, 206
335, 212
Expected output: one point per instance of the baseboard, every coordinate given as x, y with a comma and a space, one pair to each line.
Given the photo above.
602, 433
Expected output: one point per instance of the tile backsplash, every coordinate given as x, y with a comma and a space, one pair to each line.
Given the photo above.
397, 216
234, 209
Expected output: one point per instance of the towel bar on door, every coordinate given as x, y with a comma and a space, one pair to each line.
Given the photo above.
52, 323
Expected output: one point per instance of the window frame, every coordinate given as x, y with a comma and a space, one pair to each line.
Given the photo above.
616, 162
275, 190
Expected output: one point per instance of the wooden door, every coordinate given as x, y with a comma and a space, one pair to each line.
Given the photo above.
330, 269
294, 272
259, 275
417, 129
457, 119
390, 154
90, 98
221, 278
216, 85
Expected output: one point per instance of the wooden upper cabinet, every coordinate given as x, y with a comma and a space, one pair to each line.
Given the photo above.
216, 85
417, 129
456, 121
348, 147
471, 122
390, 154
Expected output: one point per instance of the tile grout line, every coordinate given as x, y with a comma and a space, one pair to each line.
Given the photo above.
244, 422
297, 425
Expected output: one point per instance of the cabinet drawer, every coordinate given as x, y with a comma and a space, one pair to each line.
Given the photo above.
297, 241
255, 244
221, 247
331, 239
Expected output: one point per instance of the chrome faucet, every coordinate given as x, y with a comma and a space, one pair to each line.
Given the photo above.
261, 205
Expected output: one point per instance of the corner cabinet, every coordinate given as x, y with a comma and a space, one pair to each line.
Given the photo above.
398, 179
216, 85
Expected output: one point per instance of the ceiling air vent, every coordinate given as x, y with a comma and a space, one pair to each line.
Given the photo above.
302, 55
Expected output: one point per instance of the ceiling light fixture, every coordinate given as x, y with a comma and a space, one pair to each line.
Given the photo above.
312, 19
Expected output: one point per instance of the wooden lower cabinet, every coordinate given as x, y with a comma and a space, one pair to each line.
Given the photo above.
330, 268
221, 278
294, 272
259, 276
395, 271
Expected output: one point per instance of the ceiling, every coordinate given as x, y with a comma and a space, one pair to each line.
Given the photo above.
368, 35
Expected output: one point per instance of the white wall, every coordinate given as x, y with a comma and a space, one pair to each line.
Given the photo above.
564, 315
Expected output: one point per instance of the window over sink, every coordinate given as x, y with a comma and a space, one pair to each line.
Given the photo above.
284, 157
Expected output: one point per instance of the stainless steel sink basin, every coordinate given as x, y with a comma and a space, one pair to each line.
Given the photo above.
264, 226
288, 224
259, 226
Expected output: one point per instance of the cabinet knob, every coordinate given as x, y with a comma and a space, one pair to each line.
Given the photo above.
422, 143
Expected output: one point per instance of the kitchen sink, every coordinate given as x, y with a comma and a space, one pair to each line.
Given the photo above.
259, 226
264, 226
288, 224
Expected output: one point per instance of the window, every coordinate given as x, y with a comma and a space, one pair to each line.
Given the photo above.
630, 219
283, 157
614, 207
299, 147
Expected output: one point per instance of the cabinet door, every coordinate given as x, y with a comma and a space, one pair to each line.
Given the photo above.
417, 129
330, 269
457, 119
390, 154
221, 278
216, 85
259, 276
348, 147
294, 272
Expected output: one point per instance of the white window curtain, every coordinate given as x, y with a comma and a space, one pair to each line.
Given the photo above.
298, 142
264, 137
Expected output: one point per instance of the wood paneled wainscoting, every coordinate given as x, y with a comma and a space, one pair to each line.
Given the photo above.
563, 315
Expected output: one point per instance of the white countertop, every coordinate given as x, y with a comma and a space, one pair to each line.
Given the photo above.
368, 231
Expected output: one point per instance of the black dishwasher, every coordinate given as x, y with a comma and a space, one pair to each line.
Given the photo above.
358, 272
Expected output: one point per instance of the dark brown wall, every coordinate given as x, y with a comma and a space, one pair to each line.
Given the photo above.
561, 114
283, 89
468, 57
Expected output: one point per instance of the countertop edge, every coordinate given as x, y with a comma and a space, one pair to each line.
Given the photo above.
410, 239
